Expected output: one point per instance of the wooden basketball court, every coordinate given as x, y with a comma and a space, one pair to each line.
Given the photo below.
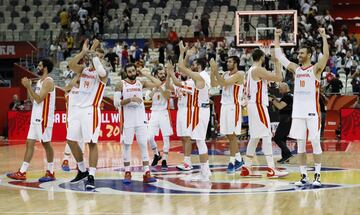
173, 193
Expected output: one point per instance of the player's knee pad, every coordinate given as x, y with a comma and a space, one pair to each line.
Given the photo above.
202, 147
316, 147
166, 141
301, 145
267, 146
251, 147
127, 152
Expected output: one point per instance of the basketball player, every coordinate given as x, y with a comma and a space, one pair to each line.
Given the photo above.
134, 120
259, 120
184, 90
86, 122
306, 107
160, 119
201, 110
232, 84
42, 120
71, 93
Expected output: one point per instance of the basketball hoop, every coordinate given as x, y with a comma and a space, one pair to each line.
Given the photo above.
265, 46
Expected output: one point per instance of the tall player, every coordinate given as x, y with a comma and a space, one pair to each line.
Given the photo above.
232, 84
184, 90
42, 120
160, 119
71, 94
201, 111
259, 120
306, 107
86, 122
134, 118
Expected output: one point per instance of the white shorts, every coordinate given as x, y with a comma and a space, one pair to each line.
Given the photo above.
85, 125
128, 135
183, 122
200, 122
230, 119
160, 120
259, 121
300, 128
37, 132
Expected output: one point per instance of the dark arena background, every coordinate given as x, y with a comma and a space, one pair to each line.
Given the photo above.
150, 35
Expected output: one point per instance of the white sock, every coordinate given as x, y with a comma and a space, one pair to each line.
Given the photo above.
238, 156
270, 161
303, 170
51, 167
232, 160
155, 151
92, 171
187, 160
317, 168
146, 168
127, 168
24, 167
165, 155
248, 161
81, 166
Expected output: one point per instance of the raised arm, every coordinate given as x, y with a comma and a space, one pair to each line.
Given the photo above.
262, 73
320, 65
280, 56
152, 82
72, 83
47, 86
235, 78
171, 76
74, 63
214, 68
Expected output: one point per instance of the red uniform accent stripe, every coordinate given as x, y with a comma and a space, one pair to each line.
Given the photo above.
195, 117
98, 94
196, 97
259, 106
236, 102
189, 113
122, 120
45, 112
317, 86
67, 109
95, 118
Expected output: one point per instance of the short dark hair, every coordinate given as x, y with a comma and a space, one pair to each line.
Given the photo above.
48, 64
236, 59
202, 62
128, 66
307, 47
257, 54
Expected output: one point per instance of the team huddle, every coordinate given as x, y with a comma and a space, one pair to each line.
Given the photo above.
85, 92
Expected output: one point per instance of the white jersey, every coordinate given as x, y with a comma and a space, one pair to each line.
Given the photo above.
185, 93
306, 93
44, 111
91, 89
133, 114
231, 94
257, 90
158, 100
72, 97
201, 96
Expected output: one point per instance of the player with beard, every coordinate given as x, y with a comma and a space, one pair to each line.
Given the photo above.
42, 120
160, 119
184, 90
86, 122
259, 120
232, 84
134, 120
306, 123
201, 110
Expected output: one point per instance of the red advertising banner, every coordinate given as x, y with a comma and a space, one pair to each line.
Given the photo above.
13, 50
19, 122
350, 124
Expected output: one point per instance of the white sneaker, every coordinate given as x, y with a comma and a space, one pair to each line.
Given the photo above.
316, 182
303, 181
274, 173
184, 167
204, 175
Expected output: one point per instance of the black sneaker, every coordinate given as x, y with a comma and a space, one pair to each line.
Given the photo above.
157, 158
164, 166
90, 184
303, 181
284, 160
80, 176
